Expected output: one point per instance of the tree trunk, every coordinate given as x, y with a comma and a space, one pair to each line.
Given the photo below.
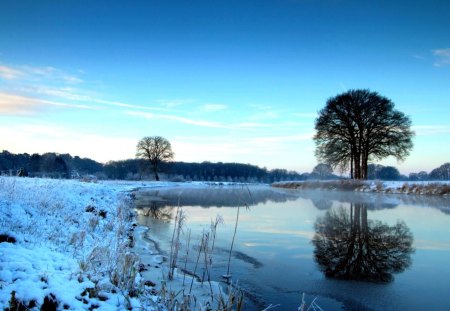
352, 156
357, 165
363, 165
366, 165
155, 171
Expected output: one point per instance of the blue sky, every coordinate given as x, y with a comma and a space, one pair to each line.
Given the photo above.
231, 81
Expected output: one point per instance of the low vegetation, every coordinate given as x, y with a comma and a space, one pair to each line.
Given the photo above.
345, 185
424, 188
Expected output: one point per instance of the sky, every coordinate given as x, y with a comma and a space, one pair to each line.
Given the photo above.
230, 81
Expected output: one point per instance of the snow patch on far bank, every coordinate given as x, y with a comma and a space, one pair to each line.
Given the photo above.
398, 187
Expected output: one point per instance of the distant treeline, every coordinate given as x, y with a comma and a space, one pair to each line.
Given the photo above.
65, 166
205, 171
376, 171
48, 164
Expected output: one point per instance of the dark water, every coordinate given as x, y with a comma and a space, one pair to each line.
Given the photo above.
349, 251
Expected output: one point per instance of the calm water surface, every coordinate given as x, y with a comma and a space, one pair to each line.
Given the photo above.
353, 251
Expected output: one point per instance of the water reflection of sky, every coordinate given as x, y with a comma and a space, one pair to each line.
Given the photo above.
278, 234
431, 227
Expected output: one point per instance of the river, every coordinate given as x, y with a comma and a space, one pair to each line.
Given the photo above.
348, 251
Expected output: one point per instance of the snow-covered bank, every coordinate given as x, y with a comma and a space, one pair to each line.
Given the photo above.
184, 289
68, 245
75, 245
441, 188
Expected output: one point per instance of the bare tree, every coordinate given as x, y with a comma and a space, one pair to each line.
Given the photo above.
155, 149
358, 126
322, 171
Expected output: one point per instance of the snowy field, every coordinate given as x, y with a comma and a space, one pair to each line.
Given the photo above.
68, 245
72, 245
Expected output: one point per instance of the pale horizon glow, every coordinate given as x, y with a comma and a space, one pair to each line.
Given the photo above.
234, 82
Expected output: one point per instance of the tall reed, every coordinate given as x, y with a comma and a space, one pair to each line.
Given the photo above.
175, 244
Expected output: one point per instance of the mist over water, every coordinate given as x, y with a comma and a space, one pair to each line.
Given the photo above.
353, 251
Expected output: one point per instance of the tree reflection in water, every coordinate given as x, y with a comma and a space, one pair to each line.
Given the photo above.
159, 212
349, 246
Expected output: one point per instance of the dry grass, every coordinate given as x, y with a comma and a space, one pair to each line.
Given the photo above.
344, 185
425, 189
434, 188
59, 213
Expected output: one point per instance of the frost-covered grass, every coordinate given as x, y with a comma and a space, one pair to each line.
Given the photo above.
420, 188
346, 185
71, 246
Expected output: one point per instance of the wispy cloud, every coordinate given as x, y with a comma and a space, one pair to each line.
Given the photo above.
214, 107
184, 120
70, 93
47, 73
286, 138
64, 92
263, 112
72, 79
265, 115
442, 57
204, 123
420, 57
11, 104
32, 88
251, 125
308, 115
9, 73
260, 107
73, 94
171, 103
427, 130
34, 73
39, 71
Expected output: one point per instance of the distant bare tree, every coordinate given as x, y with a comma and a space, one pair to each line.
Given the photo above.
155, 149
358, 126
322, 171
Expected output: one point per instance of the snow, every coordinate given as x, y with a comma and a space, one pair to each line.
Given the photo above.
34, 273
73, 242
57, 240
398, 187
157, 272
414, 187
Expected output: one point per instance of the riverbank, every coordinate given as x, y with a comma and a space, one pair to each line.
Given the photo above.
66, 244
75, 245
394, 187
184, 291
